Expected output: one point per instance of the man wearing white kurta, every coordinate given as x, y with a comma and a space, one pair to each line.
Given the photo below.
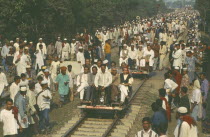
14, 88
10, 126
39, 59
73, 48
16, 45
149, 53
54, 68
123, 55
20, 61
4, 51
126, 80
65, 50
58, 46
43, 45
132, 56
140, 61
102, 82
3, 81
80, 56
185, 128
177, 56
82, 82
162, 52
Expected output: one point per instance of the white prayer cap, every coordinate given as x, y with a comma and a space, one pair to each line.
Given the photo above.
95, 60
80, 47
59, 37
25, 41
23, 88
31, 42
65, 38
73, 39
182, 110
176, 68
184, 69
44, 82
124, 45
40, 38
174, 39
26, 48
28, 66
146, 38
148, 42
105, 61
11, 41
46, 70
17, 38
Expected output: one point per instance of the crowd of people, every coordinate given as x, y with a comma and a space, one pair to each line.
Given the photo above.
152, 44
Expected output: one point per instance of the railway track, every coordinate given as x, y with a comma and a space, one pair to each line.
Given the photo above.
85, 126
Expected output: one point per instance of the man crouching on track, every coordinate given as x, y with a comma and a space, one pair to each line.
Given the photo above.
126, 81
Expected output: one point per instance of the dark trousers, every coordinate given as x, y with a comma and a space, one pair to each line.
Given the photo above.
107, 94
44, 119
131, 62
10, 136
108, 57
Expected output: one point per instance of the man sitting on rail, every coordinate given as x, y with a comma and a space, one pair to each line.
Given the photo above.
83, 81
132, 57
124, 55
149, 57
102, 82
126, 81
114, 85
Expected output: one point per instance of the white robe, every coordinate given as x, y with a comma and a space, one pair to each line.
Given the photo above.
21, 65
177, 58
65, 51
186, 130
81, 58
152, 54
39, 60
10, 124
13, 89
53, 69
3, 82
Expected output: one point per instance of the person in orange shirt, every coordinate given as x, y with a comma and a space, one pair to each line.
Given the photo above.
107, 51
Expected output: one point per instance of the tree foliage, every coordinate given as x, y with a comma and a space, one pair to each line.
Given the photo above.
50, 18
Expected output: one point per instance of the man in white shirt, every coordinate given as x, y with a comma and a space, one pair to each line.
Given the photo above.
14, 88
149, 56
40, 56
102, 82
186, 126
4, 52
125, 86
3, 81
80, 56
177, 56
43, 101
147, 131
54, 68
66, 50
132, 56
58, 46
123, 55
10, 126
83, 81
73, 48
170, 86
17, 44
20, 61
195, 100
